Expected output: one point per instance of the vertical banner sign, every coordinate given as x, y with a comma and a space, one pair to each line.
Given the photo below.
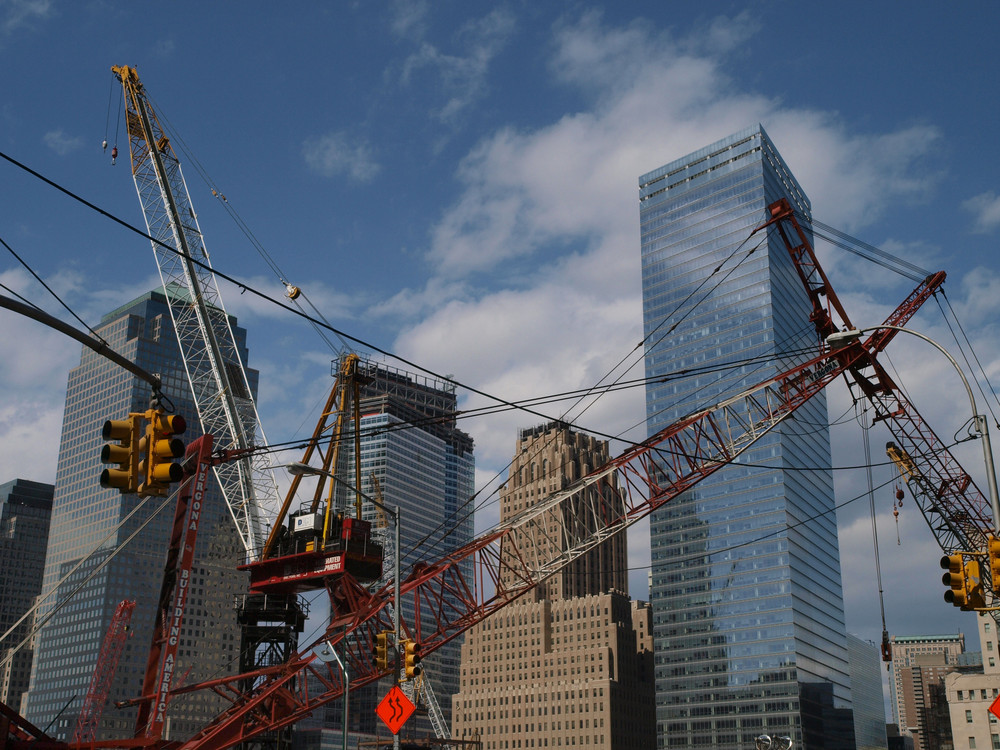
174, 594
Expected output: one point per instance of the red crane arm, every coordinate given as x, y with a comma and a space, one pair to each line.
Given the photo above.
473, 582
104, 672
956, 511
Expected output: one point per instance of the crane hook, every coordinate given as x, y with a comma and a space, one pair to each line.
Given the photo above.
114, 154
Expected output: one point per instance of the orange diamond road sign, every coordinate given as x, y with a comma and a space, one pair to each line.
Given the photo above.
995, 708
395, 709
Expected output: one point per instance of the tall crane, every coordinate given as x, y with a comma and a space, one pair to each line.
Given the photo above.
222, 393
957, 512
218, 378
511, 559
107, 662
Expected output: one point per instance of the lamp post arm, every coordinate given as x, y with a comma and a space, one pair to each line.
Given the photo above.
978, 420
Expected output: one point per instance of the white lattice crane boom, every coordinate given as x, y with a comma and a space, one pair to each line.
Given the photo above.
218, 378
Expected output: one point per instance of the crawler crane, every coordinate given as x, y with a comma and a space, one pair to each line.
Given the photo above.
508, 561
445, 602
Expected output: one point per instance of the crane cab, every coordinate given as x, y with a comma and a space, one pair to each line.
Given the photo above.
302, 561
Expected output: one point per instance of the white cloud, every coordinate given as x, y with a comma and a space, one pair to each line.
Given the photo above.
576, 179
551, 213
985, 209
461, 77
337, 153
62, 144
408, 18
19, 13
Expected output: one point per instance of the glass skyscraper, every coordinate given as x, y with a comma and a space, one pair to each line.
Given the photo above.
748, 614
84, 519
424, 465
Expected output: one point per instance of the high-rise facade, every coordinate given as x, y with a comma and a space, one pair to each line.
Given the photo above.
916, 660
970, 691
866, 693
105, 547
570, 663
424, 465
748, 613
413, 456
25, 508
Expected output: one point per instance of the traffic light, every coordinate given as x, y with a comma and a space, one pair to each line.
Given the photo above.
958, 592
160, 448
974, 585
124, 453
382, 651
411, 659
963, 579
993, 553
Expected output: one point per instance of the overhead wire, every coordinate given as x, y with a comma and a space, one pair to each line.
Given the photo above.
962, 349
245, 287
863, 249
293, 292
269, 260
49, 289
866, 441
493, 496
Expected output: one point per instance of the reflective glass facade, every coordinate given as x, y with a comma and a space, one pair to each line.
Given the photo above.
866, 693
424, 465
84, 516
748, 613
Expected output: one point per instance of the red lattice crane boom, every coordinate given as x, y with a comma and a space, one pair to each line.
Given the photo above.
107, 664
509, 561
957, 512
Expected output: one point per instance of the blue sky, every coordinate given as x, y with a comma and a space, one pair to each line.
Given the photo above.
457, 183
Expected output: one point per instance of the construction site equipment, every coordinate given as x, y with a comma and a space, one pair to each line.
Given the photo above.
217, 374
446, 602
107, 662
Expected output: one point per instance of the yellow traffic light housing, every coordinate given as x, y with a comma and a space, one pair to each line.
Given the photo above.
957, 593
963, 579
993, 553
124, 453
411, 659
382, 651
160, 448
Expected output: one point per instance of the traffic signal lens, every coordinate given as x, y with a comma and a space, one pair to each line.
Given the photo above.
167, 473
116, 429
115, 454
116, 478
170, 423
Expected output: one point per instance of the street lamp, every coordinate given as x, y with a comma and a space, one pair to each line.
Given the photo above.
329, 653
300, 469
842, 338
